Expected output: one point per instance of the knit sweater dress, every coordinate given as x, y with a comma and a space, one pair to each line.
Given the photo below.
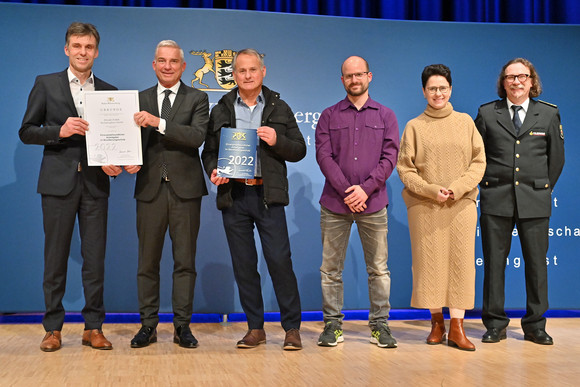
442, 148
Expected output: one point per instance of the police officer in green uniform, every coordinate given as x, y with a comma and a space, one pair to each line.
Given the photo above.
524, 146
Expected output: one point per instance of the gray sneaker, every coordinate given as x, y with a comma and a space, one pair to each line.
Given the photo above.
382, 336
331, 335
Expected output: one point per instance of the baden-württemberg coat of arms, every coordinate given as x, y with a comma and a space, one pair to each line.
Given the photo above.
221, 66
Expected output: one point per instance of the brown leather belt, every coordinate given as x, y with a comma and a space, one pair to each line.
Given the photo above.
258, 181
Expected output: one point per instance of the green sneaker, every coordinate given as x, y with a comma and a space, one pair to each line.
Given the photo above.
382, 336
331, 335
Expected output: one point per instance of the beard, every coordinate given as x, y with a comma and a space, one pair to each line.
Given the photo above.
361, 91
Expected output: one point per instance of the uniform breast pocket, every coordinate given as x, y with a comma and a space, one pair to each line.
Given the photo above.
539, 133
537, 141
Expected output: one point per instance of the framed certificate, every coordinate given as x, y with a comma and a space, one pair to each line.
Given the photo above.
113, 137
237, 153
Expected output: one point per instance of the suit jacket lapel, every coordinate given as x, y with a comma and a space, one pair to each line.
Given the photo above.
65, 90
178, 100
150, 101
531, 117
503, 117
152, 97
98, 84
151, 106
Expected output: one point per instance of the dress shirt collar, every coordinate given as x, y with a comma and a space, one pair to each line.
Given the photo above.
73, 78
240, 101
370, 103
161, 89
524, 105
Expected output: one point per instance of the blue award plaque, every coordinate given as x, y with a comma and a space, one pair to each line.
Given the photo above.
237, 154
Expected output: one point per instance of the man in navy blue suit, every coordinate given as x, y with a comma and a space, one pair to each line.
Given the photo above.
69, 187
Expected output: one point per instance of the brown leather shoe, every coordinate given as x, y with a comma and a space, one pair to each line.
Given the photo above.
96, 339
52, 341
252, 339
437, 335
457, 336
292, 341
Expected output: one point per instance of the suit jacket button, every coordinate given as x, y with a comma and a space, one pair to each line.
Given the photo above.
487, 183
517, 183
517, 155
546, 186
517, 169
518, 142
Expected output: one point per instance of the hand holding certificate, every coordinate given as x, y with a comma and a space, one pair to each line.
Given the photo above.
113, 137
237, 153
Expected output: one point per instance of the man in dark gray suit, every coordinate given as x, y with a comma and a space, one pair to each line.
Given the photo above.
524, 146
169, 188
69, 187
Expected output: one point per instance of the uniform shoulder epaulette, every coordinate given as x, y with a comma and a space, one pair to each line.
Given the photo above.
548, 103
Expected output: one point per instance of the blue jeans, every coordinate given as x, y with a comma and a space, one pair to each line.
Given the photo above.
372, 229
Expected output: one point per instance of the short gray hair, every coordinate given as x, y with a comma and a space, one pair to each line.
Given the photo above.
169, 43
248, 51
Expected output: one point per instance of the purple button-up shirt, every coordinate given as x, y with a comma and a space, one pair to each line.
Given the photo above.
356, 147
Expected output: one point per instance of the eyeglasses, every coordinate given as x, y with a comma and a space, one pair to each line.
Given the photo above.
442, 89
521, 77
355, 75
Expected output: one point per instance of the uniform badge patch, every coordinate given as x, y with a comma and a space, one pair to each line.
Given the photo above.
561, 133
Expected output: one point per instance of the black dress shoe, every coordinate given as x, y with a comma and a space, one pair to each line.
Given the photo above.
144, 337
184, 337
539, 336
494, 336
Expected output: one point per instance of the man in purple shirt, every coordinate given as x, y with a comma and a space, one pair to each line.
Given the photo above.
357, 143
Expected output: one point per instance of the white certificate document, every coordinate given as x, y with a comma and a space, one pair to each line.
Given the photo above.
113, 137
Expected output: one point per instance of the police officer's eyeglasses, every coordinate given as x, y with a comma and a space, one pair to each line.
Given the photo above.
521, 77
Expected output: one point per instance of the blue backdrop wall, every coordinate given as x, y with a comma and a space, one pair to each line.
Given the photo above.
303, 58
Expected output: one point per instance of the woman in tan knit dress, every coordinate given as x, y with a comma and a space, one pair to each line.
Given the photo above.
441, 161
